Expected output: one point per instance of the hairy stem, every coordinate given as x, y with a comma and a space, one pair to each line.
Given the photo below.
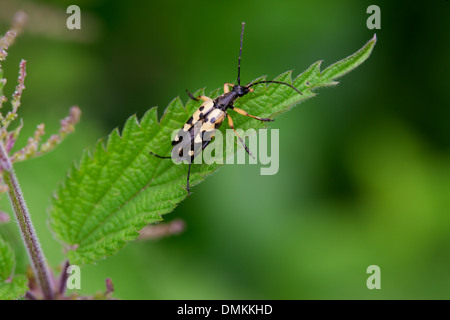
41, 271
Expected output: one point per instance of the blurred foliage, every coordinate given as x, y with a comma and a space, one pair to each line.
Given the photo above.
11, 285
364, 169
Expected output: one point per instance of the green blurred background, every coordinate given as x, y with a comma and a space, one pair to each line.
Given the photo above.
364, 167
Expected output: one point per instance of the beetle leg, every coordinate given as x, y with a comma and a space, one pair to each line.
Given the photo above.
187, 181
226, 87
158, 156
191, 96
204, 98
230, 123
245, 113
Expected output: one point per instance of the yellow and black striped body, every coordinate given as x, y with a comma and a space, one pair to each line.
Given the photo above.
198, 131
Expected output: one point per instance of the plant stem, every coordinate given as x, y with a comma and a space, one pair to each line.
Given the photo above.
40, 268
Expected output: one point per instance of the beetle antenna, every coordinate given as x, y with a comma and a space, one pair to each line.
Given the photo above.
279, 82
240, 54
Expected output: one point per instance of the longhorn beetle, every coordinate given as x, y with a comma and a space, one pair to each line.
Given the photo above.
198, 131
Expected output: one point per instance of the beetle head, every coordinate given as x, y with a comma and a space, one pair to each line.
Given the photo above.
241, 90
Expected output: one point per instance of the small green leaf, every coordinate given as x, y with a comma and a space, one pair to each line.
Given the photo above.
6, 260
15, 289
11, 286
120, 187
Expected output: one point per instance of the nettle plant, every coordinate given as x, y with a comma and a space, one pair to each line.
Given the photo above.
109, 197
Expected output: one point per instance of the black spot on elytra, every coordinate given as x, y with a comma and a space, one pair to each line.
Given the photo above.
213, 119
201, 115
201, 108
190, 120
177, 140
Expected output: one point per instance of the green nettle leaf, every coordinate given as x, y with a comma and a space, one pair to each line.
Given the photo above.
6, 260
120, 187
15, 289
11, 286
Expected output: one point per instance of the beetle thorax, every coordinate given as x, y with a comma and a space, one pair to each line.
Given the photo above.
226, 100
